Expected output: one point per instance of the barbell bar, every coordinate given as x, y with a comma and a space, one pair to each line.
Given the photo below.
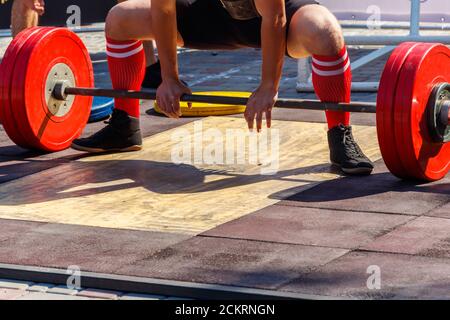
442, 117
61, 92
47, 86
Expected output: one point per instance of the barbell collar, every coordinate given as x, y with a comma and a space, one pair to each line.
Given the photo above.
444, 114
59, 90
363, 107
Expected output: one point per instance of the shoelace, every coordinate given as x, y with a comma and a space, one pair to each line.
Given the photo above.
353, 149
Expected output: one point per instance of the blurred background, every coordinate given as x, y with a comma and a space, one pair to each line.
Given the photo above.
92, 11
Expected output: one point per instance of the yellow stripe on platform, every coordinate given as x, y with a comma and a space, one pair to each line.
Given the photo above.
145, 190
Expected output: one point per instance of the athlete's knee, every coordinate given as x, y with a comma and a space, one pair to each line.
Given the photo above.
21, 4
319, 29
20, 7
115, 22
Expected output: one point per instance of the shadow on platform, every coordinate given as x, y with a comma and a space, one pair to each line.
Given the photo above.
349, 187
81, 179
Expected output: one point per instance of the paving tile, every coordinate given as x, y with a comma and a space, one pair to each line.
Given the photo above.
402, 277
424, 236
309, 226
40, 287
51, 296
441, 212
138, 296
91, 248
379, 192
15, 284
12, 228
11, 294
62, 290
232, 262
99, 294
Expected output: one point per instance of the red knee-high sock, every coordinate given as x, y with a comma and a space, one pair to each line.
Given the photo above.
332, 80
126, 60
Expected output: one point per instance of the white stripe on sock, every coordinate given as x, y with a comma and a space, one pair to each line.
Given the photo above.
331, 73
125, 54
120, 46
330, 63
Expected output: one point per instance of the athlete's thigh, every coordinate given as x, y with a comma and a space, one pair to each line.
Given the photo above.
132, 19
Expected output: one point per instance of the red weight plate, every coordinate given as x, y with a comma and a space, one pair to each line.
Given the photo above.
385, 107
46, 130
6, 68
15, 104
8, 63
426, 66
420, 50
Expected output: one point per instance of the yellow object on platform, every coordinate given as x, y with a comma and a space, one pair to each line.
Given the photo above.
207, 109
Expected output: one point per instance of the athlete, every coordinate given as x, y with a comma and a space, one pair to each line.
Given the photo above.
297, 28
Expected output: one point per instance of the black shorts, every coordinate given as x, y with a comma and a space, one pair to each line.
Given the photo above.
206, 24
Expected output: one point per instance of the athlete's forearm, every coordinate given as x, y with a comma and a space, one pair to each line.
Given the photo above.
165, 29
273, 38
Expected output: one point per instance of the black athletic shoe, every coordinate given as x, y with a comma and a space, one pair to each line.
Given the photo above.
121, 134
153, 78
345, 152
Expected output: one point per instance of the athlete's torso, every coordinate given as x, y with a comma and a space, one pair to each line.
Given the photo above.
244, 9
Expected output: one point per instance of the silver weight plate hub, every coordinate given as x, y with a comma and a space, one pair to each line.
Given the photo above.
60, 72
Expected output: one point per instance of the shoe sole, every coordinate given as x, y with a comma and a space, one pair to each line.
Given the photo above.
354, 171
99, 150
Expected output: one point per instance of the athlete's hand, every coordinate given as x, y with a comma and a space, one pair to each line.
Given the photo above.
260, 102
168, 97
36, 5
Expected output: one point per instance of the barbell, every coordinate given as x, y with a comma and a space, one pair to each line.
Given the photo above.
47, 86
